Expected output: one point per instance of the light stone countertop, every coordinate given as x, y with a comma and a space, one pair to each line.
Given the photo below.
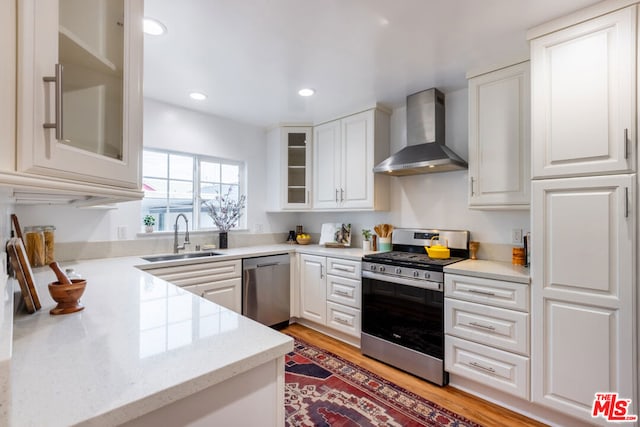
490, 270
140, 344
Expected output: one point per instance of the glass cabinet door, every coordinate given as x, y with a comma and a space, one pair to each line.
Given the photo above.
298, 152
91, 51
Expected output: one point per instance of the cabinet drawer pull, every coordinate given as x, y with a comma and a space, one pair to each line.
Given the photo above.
342, 293
484, 368
341, 268
480, 325
475, 291
342, 321
57, 80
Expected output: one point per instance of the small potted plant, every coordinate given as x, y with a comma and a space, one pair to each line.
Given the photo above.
366, 242
149, 222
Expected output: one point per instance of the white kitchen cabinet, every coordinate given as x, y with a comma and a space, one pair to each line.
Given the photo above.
487, 332
290, 150
217, 281
313, 289
344, 154
584, 96
330, 293
499, 138
99, 146
583, 284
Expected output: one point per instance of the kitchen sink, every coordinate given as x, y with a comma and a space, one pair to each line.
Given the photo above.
153, 258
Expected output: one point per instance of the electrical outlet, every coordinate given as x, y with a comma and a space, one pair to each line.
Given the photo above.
516, 236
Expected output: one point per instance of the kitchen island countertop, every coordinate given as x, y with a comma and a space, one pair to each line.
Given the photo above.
140, 344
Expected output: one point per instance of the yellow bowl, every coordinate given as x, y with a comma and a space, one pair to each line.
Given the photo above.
303, 241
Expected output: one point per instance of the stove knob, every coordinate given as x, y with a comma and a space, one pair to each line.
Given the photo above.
381, 269
416, 274
372, 267
427, 275
398, 270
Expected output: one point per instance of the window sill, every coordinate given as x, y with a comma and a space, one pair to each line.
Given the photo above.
159, 234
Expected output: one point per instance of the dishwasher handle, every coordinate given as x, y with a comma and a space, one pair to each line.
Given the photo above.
269, 264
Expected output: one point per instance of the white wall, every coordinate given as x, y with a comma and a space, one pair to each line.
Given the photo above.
436, 200
174, 128
433, 200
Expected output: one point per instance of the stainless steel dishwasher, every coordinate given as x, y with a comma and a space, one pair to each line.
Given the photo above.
265, 289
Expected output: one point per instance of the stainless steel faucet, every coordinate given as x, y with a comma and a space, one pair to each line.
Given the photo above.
176, 248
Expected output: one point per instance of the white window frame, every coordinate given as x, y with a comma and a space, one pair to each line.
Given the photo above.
196, 198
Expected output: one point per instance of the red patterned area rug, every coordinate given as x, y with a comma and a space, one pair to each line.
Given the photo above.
323, 389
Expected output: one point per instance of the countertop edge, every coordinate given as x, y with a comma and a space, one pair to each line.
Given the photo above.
488, 269
177, 392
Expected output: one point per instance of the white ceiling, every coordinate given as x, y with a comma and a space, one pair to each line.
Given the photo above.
252, 56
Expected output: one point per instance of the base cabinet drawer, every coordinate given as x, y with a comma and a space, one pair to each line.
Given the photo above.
498, 293
344, 267
344, 291
495, 368
343, 318
496, 327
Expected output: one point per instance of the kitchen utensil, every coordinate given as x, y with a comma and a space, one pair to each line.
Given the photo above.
16, 226
27, 272
473, 249
67, 296
438, 251
60, 275
21, 276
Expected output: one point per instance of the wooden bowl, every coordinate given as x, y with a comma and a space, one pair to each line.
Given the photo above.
303, 241
67, 296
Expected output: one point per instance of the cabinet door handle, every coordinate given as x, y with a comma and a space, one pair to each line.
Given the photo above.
480, 325
626, 202
308, 194
484, 368
341, 195
57, 80
336, 195
321, 275
626, 143
475, 291
472, 193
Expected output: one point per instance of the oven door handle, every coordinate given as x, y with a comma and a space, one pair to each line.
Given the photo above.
424, 284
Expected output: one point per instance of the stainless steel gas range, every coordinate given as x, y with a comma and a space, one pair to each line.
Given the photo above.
403, 302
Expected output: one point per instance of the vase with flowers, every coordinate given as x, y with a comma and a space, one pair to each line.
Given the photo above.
225, 211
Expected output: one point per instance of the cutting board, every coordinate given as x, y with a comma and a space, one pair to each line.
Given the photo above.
24, 274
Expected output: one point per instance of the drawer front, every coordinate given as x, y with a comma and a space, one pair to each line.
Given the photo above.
498, 293
344, 291
193, 274
499, 369
495, 327
344, 268
343, 318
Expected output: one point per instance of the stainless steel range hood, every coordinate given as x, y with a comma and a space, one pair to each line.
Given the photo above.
425, 151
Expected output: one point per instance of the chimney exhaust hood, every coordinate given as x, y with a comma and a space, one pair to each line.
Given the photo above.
425, 151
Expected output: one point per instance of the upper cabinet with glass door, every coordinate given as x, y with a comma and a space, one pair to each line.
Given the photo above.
80, 90
289, 168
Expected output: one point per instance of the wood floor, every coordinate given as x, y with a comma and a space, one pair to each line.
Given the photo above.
478, 410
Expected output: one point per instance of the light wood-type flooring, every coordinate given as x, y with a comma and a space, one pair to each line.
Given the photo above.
482, 412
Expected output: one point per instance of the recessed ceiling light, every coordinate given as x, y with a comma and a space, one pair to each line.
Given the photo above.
153, 27
306, 92
198, 96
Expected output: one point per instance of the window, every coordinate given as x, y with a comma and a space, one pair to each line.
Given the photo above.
174, 183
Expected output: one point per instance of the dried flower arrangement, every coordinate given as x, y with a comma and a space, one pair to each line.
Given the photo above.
225, 211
